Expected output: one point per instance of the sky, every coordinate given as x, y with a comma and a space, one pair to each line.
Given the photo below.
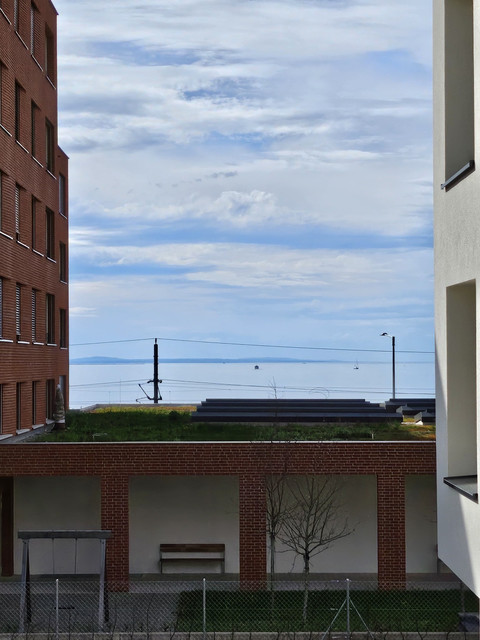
247, 171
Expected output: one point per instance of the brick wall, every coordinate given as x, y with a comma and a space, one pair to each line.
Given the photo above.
28, 99
115, 463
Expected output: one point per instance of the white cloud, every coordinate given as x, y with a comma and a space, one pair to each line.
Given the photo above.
196, 129
270, 269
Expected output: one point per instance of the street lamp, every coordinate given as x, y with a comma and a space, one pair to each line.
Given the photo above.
387, 335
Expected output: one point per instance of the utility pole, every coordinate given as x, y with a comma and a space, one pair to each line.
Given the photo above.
156, 381
387, 335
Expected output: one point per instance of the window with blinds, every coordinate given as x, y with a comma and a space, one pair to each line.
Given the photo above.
18, 310
16, 16
17, 211
34, 315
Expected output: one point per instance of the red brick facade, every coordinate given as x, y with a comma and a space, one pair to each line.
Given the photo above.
390, 462
33, 219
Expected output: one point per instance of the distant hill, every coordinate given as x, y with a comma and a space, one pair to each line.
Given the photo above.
106, 360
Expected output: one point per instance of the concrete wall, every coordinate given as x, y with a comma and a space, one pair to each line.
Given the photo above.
457, 264
182, 509
357, 552
206, 509
421, 524
58, 503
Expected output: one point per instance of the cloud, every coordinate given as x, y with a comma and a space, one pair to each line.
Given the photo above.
82, 312
248, 164
266, 270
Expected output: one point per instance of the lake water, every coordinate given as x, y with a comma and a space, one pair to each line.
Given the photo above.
190, 383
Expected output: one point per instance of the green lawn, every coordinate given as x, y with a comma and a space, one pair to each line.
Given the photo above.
401, 611
157, 424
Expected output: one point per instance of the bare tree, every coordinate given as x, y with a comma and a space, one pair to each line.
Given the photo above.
313, 521
277, 507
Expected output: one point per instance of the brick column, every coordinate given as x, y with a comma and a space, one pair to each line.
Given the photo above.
391, 530
253, 538
114, 503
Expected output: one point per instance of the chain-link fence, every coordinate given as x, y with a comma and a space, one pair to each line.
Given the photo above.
208, 607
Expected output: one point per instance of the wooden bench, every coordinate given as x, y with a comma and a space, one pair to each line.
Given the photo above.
192, 553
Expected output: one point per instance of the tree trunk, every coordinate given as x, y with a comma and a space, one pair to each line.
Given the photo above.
306, 574
272, 559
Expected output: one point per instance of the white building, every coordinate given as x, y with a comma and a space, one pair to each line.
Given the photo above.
457, 278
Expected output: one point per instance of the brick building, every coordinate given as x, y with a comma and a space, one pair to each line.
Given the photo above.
214, 492
33, 219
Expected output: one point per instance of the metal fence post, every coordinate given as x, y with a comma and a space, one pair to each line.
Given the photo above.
204, 608
56, 610
348, 607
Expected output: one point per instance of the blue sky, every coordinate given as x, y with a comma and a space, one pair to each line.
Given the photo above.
250, 171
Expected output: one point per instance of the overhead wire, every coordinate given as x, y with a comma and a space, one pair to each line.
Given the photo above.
249, 344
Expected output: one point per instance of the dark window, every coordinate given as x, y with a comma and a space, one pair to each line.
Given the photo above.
50, 55
18, 109
50, 319
1, 93
62, 195
1, 307
34, 222
50, 389
49, 146
34, 116
34, 402
1, 200
50, 233
19, 406
63, 262
63, 328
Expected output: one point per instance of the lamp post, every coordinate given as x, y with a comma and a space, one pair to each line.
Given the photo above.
387, 335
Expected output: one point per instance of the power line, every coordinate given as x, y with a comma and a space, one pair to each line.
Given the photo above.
249, 344
198, 385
